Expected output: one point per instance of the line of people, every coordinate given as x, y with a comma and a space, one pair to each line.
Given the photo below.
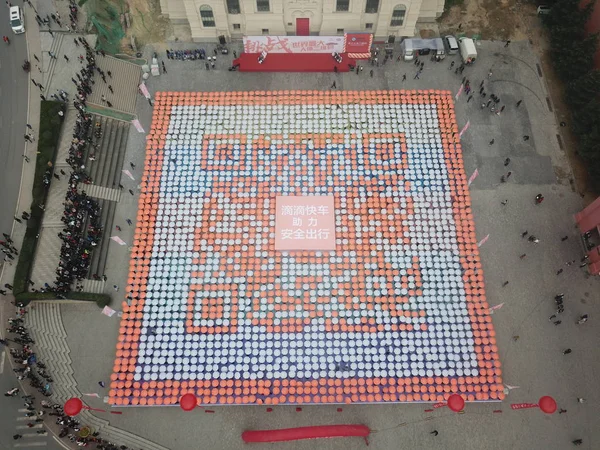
82, 214
32, 369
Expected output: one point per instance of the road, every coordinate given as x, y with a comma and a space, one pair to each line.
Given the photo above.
13, 118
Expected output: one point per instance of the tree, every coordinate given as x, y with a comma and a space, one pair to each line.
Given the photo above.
574, 59
584, 89
568, 13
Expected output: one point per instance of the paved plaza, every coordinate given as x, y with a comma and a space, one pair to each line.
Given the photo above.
529, 346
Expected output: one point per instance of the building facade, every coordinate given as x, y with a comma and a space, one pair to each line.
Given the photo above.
233, 19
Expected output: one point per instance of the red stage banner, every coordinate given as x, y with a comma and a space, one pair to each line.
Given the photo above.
294, 44
523, 405
357, 42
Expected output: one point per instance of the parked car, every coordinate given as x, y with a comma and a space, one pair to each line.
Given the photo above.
17, 21
543, 10
451, 45
422, 47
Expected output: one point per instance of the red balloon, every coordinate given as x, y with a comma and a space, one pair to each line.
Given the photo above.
73, 406
547, 404
456, 403
188, 402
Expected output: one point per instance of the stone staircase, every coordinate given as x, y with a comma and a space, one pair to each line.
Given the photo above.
124, 81
55, 49
93, 190
93, 286
105, 171
46, 328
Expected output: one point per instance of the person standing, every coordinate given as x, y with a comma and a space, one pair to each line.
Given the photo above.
566, 352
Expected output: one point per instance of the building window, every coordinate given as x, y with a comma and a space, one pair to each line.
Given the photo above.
237, 26
206, 14
340, 31
372, 7
265, 31
368, 26
233, 6
262, 6
342, 5
398, 16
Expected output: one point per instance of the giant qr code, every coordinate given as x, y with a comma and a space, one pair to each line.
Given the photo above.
396, 313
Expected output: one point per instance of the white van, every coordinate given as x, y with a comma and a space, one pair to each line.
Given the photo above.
468, 52
17, 20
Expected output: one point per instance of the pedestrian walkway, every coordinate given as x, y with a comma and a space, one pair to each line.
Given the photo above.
30, 436
57, 71
45, 325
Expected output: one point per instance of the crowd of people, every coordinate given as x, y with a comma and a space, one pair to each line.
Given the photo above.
82, 214
29, 368
81, 234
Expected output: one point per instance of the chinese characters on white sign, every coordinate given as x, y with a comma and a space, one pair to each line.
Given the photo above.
305, 223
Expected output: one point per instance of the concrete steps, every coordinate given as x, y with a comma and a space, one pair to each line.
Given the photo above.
55, 49
94, 286
117, 164
93, 190
51, 345
100, 254
125, 80
106, 174
106, 169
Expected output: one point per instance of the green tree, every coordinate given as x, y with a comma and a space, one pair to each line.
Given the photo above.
568, 13
574, 59
584, 90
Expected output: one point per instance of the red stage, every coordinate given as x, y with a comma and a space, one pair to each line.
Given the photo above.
293, 62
